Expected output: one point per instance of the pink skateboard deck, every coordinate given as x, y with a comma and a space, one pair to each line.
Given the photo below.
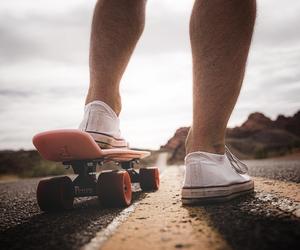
72, 144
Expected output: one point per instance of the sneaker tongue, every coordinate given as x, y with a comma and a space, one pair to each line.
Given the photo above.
239, 166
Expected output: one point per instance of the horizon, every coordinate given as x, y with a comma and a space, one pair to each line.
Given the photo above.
44, 70
172, 135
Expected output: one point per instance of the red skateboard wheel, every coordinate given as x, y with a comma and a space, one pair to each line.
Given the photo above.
55, 194
114, 189
149, 178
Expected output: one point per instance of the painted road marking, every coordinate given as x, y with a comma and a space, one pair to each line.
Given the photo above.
159, 221
106, 233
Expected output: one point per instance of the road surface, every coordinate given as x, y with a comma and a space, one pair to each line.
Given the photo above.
269, 219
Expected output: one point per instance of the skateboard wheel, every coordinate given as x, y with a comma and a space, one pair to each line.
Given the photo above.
149, 178
55, 194
114, 189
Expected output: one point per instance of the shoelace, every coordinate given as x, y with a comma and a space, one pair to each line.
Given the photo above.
239, 166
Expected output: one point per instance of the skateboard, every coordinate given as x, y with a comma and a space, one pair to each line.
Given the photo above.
78, 150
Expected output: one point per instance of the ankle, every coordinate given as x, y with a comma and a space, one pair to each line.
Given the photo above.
207, 143
209, 148
114, 103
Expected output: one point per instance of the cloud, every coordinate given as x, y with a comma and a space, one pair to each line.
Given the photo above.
277, 24
52, 36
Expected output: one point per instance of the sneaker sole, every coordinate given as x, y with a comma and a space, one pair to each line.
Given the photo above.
106, 141
205, 195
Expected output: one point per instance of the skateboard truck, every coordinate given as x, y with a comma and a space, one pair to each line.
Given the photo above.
129, 167
86, 182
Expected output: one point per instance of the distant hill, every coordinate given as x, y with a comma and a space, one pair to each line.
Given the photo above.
257, 137
28, 163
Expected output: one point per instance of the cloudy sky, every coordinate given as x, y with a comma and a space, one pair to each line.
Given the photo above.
44, 69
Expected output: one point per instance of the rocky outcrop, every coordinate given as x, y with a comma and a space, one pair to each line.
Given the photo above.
176, 145
257, 137
177, 140
290, 124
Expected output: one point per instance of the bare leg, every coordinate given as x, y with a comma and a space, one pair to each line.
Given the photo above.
220, 33
116, 28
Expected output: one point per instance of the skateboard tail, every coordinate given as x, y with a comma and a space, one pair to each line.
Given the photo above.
72, 144
66, 145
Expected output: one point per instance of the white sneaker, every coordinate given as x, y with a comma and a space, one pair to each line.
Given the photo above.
102, 123
214, 178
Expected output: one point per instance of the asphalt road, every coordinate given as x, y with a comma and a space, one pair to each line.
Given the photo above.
277, 169
23, 225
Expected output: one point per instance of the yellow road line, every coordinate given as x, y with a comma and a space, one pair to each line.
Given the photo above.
161, 222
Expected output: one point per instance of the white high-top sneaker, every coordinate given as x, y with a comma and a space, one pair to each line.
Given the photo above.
214, 178
102, 123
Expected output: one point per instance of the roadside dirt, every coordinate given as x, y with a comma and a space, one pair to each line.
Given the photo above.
285, 189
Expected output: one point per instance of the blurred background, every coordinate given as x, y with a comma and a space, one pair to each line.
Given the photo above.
44, 69
44, 76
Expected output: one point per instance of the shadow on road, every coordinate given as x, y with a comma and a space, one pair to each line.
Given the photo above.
64, 230
249, 223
